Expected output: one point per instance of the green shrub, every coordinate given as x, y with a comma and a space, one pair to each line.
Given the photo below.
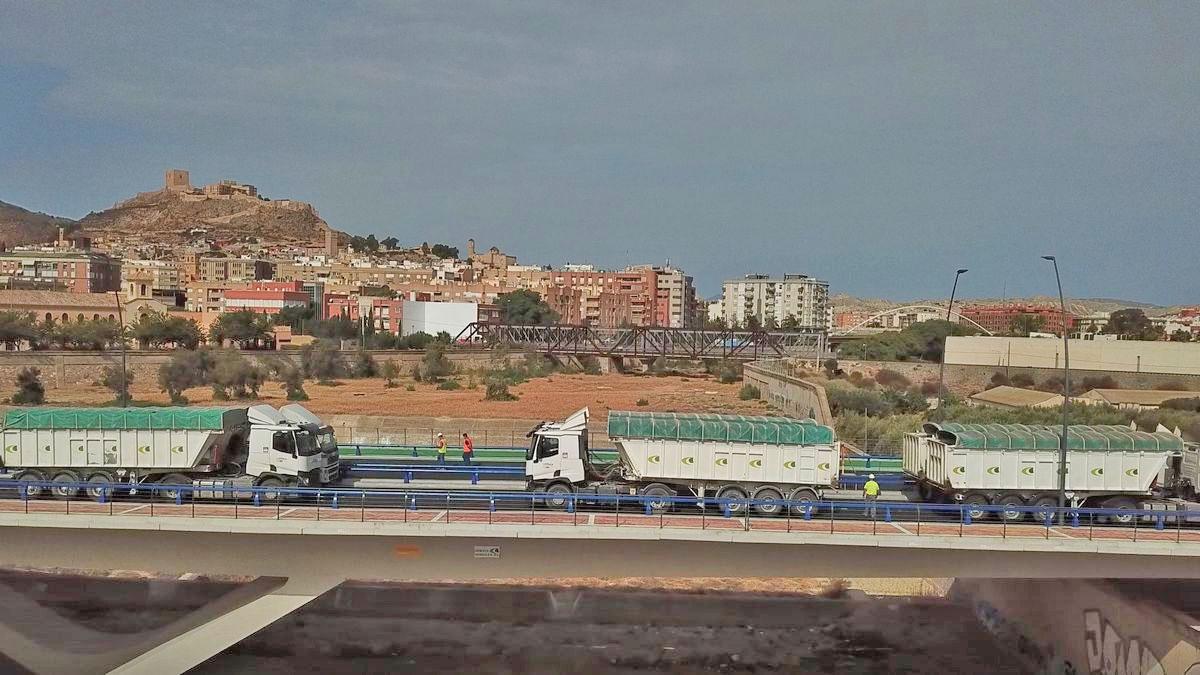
497, 390
410, 387
641, 403
591, 365
1022, 380
749, 392
892, 380
390, 371
449, 385
363, 365
117, 380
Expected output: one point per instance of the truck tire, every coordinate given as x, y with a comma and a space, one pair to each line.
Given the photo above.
1123, 504
1044, 505
271, 487
31, 491
771, 499
661, 491
172, 493
1013, 505
558, 495
61, 488
733, 492
974, 503
102, 481
803, 499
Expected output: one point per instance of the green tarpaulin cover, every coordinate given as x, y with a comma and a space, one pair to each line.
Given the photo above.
727, 428
116, 418
1041, 437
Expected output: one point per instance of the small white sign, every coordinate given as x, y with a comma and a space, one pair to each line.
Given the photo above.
487, 551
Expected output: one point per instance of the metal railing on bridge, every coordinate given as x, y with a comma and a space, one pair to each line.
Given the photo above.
650, 342
900, 519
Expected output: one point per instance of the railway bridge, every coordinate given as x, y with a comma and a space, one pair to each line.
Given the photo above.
650, 342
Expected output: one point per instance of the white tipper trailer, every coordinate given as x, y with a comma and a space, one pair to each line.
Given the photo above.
769, 459
207, 448
1016, 465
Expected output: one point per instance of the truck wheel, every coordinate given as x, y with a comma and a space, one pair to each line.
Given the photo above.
1121, 504
557, 496
1044, 506
171, 493
662, 492
735, 493
31, 491
770, 501
101, 481
803, 499
975, 504
1013, 505
62, 485
270, 490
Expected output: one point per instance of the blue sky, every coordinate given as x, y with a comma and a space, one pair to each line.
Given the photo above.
876, 145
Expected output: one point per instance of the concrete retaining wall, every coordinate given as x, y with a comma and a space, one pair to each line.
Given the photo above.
967, 380
1072, 627
787, 391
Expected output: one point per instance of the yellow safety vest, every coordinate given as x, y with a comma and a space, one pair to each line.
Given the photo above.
441, 446
871, 488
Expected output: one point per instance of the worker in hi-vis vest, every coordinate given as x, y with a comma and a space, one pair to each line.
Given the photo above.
870, 495
441, 448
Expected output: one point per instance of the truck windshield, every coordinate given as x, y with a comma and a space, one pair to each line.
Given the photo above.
306, 445
326, 440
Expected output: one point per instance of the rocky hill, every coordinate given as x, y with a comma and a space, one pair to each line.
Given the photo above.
19, 226
168, 216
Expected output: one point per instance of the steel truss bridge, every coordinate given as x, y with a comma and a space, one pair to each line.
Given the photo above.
646, 343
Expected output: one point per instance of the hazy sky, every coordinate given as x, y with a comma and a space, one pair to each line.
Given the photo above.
875, 145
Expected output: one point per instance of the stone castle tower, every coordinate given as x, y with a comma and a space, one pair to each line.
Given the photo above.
178, 180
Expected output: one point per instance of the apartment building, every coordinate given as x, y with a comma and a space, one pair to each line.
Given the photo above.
796, 300
1000, 318
68, 270
265, 297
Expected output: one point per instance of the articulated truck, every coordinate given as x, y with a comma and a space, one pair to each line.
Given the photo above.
210, 449
768, 459
1016, 465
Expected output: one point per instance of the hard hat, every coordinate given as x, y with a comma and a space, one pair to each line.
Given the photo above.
871, 476
441, 434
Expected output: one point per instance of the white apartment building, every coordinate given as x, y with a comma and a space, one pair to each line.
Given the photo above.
772, 300
677, 297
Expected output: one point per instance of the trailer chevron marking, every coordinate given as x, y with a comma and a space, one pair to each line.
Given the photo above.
722, 461
994, 470
790, 464
1028, 471
10, 448
960, 469
144, 449
654, 459
177, 449
1098, 471
823, 466
688, 460
756, 463
1132, 472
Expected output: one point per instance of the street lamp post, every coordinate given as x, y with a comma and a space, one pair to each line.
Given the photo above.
1062, 441
124, 364
942, 367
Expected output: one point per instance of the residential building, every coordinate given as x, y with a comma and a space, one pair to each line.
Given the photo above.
265, 297
233, 270
868, 320
157, 279
796, 300
68, 270
383, 313
1001, 318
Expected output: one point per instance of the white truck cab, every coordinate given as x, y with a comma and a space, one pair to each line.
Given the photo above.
557, 451
279, 447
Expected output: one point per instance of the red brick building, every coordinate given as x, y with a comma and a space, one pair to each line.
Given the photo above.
384, 313
999, 319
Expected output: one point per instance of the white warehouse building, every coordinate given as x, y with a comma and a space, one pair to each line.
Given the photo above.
773, 300
436, 317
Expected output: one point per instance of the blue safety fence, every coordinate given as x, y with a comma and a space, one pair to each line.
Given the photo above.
895, 518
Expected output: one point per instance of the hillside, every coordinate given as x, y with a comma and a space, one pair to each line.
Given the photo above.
20, 226
167, 216
844, 303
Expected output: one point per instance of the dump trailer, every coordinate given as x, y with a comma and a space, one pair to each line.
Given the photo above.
1016, 465
769, 459
203, 447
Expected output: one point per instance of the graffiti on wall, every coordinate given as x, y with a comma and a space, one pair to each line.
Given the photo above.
1110, 653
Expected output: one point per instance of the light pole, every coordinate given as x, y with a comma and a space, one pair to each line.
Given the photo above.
942, 367
1062, 441
124, 364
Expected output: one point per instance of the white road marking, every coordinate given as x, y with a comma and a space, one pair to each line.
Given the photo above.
591, 519
1055, 530
136, 508
902, 529
287, 512
438, 516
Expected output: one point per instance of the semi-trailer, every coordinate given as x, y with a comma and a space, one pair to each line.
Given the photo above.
706, 456
1017, 466
210, 449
